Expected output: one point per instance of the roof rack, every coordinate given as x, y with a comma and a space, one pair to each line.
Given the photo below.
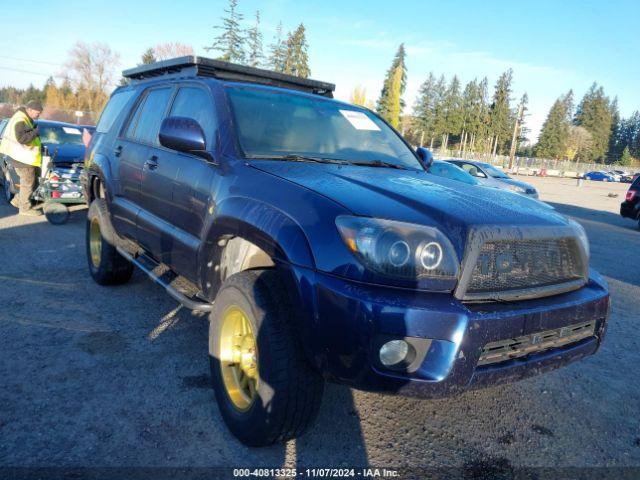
193, 66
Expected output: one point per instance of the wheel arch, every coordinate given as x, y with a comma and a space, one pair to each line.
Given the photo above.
264, 236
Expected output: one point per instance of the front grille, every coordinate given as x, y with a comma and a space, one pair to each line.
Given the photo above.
503, 350
521, 265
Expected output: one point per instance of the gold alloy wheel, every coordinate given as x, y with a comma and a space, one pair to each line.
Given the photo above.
95, 242
238, 358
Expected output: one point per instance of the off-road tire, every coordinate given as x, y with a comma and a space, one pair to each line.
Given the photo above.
112, 268
289, 390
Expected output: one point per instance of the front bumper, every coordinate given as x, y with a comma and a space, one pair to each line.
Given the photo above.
349, 321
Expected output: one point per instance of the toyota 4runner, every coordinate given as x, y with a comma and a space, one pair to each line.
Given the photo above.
321, 247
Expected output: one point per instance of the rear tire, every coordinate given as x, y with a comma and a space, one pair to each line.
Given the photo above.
106, 265
282, 393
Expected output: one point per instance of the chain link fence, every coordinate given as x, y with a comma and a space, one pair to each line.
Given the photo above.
530, 166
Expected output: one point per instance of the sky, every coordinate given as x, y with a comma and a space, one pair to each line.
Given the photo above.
551, 46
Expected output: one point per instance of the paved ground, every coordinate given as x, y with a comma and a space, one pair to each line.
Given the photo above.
91, 376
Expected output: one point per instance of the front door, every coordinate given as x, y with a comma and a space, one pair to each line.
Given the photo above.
194, 182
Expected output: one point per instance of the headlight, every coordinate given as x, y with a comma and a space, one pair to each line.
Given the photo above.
582, 236
401, 250
517, 189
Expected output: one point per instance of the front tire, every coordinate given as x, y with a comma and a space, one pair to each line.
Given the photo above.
265, 388
106, 265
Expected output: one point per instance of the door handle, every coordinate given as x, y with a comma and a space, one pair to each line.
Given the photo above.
117, 151
152, 162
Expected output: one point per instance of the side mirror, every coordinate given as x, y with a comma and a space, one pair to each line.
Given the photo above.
184, 135
425, 156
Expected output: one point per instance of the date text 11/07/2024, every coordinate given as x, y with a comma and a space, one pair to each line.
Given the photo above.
316, 473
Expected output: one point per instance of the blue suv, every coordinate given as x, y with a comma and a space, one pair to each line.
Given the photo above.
321, 247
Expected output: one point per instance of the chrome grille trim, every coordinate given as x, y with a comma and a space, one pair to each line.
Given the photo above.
512, 348
498, 235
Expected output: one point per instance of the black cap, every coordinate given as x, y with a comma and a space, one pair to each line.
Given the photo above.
34, 105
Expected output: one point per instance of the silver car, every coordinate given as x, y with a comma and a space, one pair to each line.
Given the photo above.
492, 177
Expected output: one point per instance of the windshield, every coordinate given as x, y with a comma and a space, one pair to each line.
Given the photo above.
448, 170
60, 135
274, 124
494, 172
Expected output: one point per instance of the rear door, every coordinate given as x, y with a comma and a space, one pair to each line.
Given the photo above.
150, 198
132, 151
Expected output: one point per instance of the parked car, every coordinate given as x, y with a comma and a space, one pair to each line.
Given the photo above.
599, 176
62, 143
312, 235
451, 171
630, 208
617, 177
491, 176
58, 184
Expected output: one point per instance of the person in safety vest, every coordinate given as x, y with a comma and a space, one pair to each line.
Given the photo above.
21, 143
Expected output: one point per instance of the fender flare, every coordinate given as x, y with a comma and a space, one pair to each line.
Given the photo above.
267, 227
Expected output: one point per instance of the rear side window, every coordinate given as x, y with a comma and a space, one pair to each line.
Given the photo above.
193, 102
636, 182
113, 109
145, 123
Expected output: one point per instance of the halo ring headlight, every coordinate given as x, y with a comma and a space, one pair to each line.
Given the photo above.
431, 255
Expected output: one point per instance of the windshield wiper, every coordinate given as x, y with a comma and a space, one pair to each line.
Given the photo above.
298, 158
379, 164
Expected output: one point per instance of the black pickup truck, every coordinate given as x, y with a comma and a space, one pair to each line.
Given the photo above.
323, 249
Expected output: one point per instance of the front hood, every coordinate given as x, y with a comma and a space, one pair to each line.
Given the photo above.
517, 183
65, 153
415, 197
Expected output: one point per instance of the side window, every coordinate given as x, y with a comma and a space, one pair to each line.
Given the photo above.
145, 123
193, 102
113, 109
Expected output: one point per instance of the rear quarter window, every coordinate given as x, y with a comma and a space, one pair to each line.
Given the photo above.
112, 110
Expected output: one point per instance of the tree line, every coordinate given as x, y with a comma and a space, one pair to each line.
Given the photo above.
448, 116
591, 132
244, 46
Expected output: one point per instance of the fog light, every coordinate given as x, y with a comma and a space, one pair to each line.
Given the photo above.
393, 352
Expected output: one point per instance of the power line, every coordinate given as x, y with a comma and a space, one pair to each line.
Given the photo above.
30, 61
31, 72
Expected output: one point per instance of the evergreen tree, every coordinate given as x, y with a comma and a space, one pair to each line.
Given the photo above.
277, 51
296, 60
230, 43
254, 40
148, 57
454, 115
424, 108
614, 148
626, 159
500, 111
595, 114
439, 110
384, 106
552, 142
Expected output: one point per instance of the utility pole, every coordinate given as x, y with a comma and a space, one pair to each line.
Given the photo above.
514, 139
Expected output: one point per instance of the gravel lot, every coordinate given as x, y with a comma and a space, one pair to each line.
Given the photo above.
111, 377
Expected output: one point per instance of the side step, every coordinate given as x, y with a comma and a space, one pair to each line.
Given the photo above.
165, 279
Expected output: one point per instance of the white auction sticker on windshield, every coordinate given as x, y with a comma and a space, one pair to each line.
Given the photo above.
359, 120
72, 130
